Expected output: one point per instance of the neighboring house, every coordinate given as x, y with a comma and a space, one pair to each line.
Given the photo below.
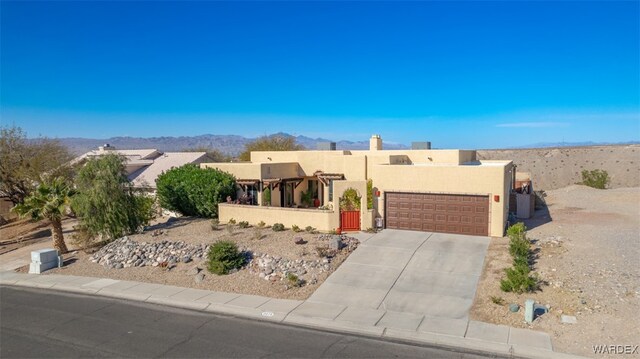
425, 190
144, 166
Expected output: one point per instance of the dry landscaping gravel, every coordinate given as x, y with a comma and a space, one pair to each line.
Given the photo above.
588, 253
273, 252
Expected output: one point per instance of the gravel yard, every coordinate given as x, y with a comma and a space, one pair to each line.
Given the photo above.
588, 253
167, 243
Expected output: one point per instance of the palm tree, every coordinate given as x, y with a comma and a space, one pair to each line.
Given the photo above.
49, 200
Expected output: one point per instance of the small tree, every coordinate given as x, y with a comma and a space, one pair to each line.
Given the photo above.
270, 143
194, 191
597, 178
24, 161
106, 204
50, 200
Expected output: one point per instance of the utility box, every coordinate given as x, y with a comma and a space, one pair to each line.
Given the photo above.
44, 259
525, 205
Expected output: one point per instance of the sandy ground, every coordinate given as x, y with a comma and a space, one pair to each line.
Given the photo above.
588, 252
554, 168
198, 231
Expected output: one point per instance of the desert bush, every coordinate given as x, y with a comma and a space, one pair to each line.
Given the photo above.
215, 223
194, 191
497, 300
224, 256
293, 280
518, 280
232, 221
309, 229
596, 178
278, 227
325, 252
519, 247
261, 224
295, 228
243, 224
517, 231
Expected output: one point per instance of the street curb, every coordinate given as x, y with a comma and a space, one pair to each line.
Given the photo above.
455, 343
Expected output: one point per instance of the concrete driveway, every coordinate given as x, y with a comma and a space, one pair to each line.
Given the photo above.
420, 273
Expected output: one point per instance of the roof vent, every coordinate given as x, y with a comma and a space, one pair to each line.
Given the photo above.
326, 146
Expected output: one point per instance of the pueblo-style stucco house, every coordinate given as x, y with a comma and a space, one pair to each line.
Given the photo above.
424, 190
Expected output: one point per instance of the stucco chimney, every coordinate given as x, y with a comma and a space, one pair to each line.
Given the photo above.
375, 143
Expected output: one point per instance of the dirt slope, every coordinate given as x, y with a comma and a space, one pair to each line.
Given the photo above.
589, 254
560, 167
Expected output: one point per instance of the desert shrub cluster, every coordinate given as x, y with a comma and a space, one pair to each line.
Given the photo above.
224, 256
596, 178
518, 277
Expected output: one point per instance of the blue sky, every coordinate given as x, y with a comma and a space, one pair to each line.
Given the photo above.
460, 74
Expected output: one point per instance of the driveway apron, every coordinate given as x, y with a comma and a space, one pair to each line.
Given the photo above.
422, 273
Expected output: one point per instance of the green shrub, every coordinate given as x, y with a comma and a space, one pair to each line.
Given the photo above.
519, 247
224, 256
296, 228
243, 224
261, 224
306, 198
520, 261
517, 231
215, 223
350, 200
266, 197
194, 191
278, 227
497, 300
518, 280
232, 221
597, 178
293, 280
309, 229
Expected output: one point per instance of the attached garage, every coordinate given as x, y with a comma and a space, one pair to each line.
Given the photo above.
431, 212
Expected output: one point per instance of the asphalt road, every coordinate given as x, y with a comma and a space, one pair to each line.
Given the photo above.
41, 323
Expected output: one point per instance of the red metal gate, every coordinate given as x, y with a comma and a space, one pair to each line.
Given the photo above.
350, 220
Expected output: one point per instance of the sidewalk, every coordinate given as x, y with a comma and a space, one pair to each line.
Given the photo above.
398, 326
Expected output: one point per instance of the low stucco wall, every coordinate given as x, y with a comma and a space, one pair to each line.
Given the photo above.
322, 220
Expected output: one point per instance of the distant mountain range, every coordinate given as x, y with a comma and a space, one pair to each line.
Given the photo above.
229, 144
234, 144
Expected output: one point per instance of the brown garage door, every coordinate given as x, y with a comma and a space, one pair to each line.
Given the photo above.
448, 213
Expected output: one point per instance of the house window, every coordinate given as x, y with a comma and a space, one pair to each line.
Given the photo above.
330, 190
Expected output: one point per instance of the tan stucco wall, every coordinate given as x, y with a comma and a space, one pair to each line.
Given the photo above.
319, 219
480, 180
239, 170
435, 171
